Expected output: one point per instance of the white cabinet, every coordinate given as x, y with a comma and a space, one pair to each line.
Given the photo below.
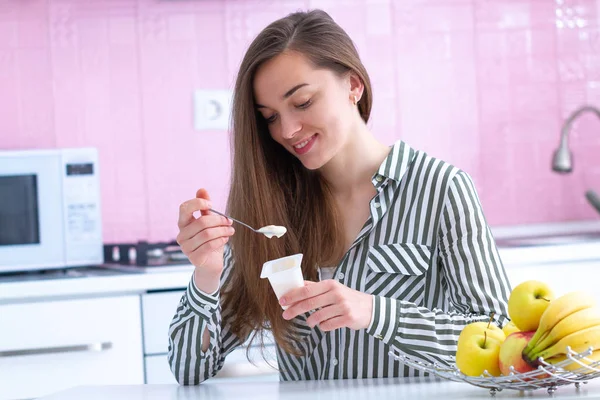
53, 345
158, 310
157, 370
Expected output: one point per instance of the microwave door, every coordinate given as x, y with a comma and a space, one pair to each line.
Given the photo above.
31, 213
19, 210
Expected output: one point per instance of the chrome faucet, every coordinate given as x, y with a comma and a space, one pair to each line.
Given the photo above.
561, 162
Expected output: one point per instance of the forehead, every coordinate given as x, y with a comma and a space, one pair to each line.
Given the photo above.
278, 75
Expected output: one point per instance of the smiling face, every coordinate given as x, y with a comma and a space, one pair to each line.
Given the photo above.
309, 111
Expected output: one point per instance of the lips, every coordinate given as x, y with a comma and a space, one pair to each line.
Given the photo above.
304, 146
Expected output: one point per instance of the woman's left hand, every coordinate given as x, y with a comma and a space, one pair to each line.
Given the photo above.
337, 305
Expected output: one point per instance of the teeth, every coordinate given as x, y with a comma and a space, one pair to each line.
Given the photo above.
301, 145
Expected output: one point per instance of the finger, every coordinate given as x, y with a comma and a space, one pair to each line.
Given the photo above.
200, 224
312, 303
206, 236
199, 255
333, 324
309, 289
203, 194
324, 314
187, 209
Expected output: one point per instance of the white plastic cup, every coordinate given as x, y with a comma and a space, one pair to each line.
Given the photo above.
284, 274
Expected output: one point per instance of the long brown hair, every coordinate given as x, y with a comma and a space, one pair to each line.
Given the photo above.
271, 186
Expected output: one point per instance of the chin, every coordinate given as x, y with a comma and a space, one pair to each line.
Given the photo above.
312, 166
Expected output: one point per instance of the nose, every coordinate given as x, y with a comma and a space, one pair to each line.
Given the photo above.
290, 126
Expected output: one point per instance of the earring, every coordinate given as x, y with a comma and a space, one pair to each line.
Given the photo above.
355, 100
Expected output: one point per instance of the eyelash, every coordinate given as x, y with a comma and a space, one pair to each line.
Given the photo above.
302, 106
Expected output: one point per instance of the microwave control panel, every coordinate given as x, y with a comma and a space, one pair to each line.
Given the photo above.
81, 189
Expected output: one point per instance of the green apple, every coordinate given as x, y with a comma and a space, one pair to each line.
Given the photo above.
527, 302
478, 353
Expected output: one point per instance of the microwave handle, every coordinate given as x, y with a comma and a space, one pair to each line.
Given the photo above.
94, 347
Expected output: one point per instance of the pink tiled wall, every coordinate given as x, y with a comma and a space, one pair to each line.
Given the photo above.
483, 84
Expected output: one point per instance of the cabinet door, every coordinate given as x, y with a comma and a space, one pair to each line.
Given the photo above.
157, 370
158, 309
53, 345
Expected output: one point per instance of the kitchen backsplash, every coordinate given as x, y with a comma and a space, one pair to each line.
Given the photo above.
483, 84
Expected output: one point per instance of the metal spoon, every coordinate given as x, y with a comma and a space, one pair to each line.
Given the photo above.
269, 230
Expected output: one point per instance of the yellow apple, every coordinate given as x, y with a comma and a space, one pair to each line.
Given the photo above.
527, 302
477, 328
511, 353
478, 353
510, 328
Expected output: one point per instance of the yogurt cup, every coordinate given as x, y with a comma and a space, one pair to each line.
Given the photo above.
284, 274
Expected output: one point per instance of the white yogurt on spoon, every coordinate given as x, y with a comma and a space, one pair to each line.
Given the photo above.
273, 230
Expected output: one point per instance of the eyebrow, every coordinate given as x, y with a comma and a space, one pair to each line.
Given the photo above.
287, 94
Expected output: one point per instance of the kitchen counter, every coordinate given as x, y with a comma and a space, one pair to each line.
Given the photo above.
350, 389
542, 244
86, 282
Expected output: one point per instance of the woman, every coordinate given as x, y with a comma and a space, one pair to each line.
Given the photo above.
397, 252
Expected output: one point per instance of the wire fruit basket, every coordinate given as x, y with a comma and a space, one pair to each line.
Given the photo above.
576, 369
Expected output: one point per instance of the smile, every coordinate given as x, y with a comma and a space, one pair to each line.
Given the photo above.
305, 145
302, 144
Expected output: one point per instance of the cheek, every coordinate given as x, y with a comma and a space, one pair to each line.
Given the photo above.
335, 121
329, 117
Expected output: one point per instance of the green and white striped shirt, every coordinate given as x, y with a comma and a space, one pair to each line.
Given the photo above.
426, 254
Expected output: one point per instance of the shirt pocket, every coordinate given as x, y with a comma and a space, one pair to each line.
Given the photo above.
398, 270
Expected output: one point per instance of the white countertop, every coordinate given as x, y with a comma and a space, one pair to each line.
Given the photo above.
350, 389
76, 284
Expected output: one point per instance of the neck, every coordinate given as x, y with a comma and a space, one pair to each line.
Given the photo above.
353, 167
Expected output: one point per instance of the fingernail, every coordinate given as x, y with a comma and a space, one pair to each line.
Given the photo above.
283, 301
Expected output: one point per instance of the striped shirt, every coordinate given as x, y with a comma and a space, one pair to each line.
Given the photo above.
426, 254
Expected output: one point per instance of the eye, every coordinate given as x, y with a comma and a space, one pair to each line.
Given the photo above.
305, 104
271, 119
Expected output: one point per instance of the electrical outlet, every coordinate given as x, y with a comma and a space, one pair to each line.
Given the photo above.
212, 109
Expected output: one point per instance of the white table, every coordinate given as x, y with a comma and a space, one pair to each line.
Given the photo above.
350, 389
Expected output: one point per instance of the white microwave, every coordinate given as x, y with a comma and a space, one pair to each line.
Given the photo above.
50, 213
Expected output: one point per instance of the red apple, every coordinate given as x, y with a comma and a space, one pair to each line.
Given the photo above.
511, 353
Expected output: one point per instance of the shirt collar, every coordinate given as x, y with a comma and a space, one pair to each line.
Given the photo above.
397, 162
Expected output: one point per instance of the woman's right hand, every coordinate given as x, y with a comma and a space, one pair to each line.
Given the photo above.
202, 240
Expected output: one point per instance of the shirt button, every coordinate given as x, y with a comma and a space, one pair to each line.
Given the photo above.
341, 275
378, 337
377, 205
207, 307
379, 178
334, 361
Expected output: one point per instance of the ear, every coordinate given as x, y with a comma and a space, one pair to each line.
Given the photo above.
356, 86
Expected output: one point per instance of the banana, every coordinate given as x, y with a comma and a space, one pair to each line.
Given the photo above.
556, 311
578, 342
577, 321
592, 359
